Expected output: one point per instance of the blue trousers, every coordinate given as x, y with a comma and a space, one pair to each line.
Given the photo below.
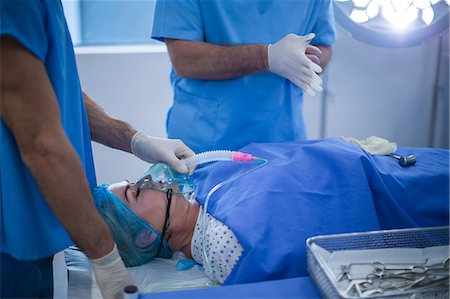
26, 279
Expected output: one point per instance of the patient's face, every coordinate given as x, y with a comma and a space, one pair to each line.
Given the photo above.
149, 204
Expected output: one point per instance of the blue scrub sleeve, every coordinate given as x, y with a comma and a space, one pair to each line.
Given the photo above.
324, 28
25, 21
178, 19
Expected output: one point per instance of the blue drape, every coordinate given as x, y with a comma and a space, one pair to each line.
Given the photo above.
319, 187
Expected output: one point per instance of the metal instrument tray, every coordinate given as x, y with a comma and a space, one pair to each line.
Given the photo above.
325, 278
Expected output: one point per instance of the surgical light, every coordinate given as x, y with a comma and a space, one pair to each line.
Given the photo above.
393, 23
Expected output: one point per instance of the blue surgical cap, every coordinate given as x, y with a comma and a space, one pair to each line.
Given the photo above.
136, 240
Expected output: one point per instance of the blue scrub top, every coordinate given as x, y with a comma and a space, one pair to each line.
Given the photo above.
29, 229
263, 107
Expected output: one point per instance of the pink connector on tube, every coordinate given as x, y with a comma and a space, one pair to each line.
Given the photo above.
242, 157
218, 155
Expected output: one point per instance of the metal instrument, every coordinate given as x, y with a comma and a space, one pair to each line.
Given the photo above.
395, 277
404, 160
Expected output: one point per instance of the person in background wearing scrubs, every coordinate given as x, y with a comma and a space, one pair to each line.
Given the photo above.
46, 163
240, 68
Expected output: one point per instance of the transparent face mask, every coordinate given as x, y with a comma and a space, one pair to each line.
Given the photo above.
161, 177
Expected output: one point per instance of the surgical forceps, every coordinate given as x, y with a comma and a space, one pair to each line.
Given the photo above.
346, 269
391, 277
412, 269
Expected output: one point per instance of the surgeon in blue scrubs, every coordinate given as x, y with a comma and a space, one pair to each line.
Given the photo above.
46, 165
240, 67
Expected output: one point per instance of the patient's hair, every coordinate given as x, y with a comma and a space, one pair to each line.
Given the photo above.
136, 240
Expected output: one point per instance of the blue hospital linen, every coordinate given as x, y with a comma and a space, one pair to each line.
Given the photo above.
29, 229
319, 187
263, 107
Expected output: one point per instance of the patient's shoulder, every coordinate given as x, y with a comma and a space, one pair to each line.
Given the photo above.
222, 246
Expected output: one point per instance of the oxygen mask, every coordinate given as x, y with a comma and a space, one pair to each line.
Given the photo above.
161, 177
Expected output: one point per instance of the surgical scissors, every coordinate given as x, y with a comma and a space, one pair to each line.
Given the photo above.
414, 268
392, 277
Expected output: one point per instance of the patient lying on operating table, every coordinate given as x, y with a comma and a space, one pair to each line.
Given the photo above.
148, 223
258, 224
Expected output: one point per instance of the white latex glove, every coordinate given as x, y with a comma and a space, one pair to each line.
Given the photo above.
374, 145
287, 58
154, 149
111, 275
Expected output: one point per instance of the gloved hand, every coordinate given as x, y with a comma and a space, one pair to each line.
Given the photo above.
374, 145
111, 275
288, 59
154, 149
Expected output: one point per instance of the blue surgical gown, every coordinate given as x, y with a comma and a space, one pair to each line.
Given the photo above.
29, 229
263, 107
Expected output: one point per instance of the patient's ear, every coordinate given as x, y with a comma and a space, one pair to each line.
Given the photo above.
145, 238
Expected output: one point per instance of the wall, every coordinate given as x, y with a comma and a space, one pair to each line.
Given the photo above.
134, 87
369, 91
386, 92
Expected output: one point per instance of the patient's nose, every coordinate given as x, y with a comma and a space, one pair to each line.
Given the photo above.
119, 189
132, 187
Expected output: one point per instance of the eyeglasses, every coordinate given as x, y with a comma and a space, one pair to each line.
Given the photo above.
167, 220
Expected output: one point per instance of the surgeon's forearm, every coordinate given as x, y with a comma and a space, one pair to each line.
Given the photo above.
29, 109
60, 177
200, 60
106, 129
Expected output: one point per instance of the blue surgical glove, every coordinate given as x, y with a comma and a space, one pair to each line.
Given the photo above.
185, 264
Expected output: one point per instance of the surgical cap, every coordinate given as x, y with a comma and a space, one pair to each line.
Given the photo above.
136, 240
